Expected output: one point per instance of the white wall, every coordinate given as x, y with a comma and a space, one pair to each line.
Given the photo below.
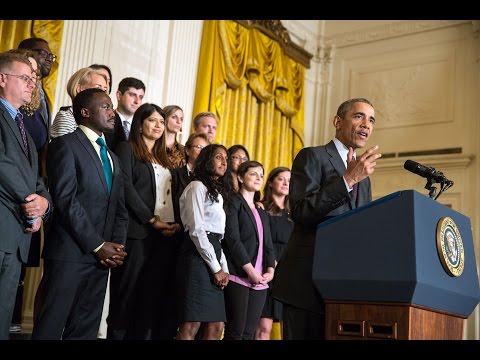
162, 53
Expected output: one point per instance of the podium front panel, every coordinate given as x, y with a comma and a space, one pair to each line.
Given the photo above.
386, 251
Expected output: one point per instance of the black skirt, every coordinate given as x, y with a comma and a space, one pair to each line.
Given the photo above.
199, 298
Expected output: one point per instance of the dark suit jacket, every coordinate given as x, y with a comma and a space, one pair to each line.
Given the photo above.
18, 179
317, 192
86, 214
140, 192
240, 243
38, 126
180, 180
117, 136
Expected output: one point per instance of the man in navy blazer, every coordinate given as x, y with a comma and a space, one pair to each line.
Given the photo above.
24, 199
89, 228
326, 181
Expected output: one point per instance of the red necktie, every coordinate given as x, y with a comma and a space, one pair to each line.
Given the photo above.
23, 133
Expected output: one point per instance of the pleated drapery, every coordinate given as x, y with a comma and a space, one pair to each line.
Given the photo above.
254, 88
12, 32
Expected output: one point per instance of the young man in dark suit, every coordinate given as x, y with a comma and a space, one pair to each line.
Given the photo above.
88, 230
326, 181
24, 199
130, 95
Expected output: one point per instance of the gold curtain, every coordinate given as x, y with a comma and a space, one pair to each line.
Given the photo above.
14, 31
254, 88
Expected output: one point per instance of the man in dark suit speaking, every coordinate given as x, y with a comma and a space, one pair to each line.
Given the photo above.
326, 181
24, 200
89, 225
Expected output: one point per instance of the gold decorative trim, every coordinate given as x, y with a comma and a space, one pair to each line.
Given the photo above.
275, 30
450, 247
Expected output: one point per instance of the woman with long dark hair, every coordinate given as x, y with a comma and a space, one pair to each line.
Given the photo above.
202, 267
145, 283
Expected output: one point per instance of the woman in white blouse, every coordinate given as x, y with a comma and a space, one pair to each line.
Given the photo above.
202, 267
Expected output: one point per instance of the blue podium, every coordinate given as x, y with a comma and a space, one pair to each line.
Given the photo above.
401, 267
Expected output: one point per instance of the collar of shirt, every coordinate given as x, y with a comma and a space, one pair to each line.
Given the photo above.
123, 118
11, 110
342, 150
189, 171
91, 135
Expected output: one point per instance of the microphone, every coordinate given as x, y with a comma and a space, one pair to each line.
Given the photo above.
427, 172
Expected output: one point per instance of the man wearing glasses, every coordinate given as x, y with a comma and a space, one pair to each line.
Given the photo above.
38, 126
24, 199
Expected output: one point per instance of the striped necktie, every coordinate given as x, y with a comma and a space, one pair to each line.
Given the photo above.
23, 132
125, 129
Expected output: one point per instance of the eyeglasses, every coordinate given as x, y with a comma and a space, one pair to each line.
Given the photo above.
220, 157
198, 147
27, 79
46, 55
238, 157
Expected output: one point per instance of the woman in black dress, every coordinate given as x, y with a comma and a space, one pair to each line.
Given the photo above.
275, 200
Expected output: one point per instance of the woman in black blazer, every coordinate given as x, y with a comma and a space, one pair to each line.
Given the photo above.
132, 315
250, 256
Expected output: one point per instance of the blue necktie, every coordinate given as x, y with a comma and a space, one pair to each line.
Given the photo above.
107, 169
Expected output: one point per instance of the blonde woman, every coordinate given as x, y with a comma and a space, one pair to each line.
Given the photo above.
85, 78
173, 126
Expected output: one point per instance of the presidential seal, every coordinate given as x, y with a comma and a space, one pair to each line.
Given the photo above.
450, 247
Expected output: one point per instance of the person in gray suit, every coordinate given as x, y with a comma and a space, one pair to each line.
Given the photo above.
24, 199
89, 226
326, 181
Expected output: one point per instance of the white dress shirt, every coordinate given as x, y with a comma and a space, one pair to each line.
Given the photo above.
199, 215
343, 151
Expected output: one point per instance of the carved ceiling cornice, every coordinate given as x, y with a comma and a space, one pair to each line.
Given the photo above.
275, 30
389, 31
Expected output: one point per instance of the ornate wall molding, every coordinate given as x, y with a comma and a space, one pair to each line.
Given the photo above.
305, 33
275, 30
389, 31
476, 28
447, 161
